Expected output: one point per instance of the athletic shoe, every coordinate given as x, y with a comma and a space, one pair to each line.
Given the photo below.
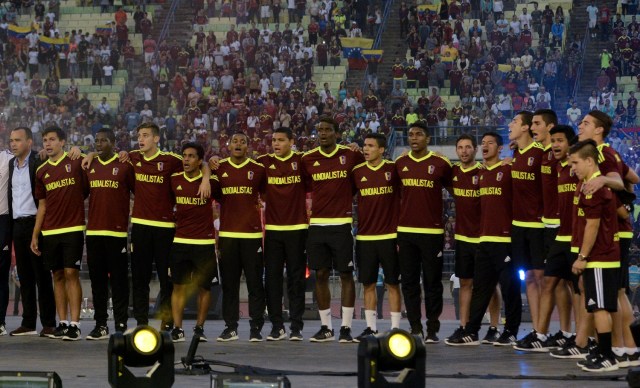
98, 333
601, 364
417, 331
121, 327
532, 345
177, 334
570, 350
634, 359
431, 338
3, 330
60, 332
228, 335
255, 335
558, 340
323, 335
345, 335
527, 338
492, 335
505, 339
623, 361
47, 331
367, 332
73, 333
457, 333
277, 334
295, 335
23, 331
463, 340
166, 326
198, 331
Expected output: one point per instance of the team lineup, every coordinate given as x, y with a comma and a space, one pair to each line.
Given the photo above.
558, 209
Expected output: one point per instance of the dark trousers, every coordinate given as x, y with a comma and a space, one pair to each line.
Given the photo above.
150, 244
109, 265
380, 300
237, 255
5, 264
285, 248
421, 255
32, 274
493, 266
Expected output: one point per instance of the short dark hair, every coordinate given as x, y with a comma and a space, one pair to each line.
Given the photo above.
420, 124
602, 120
465, 136
241, 133
108, 132
27, 131
380, 139
330, 120
585, 149
548, 116
287, 131
568, 131
494, 135
527, 119
155, 130
59, 132
195, 146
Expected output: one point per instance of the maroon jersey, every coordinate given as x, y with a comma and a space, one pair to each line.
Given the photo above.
601, 205
110, 183
609, 161
378, 200
466, 191
422, 183
240, 187
329, 175
527, 186
285, 192
194, 215
567, 185
549, 176
153, 204
63, 185
495, 191
577, 221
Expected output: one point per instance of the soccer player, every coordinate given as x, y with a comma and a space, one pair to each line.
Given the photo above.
241, 181
192, 258
286, 225
493, 262
423, 175
467, 232
377, 186
61, 188
528, 228
330, 241
110, 184
599, 257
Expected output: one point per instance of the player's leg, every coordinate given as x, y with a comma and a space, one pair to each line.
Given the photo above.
410, 270
464, 266
98, 263
119, 279
341, 246
274, 259
495, 305
391, 270
182, 269
72, 247
368, 265
230, 272
253, 265
205, 271
320, 260
141, 269
431, 255
296, 262
510, 288
162, 241
624, 306
563, 298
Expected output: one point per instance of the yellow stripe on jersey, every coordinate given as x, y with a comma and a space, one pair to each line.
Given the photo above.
285, 228
108, 233
626, 234
472, 240
407, 229
240, 234
523, 224
563, 238
495, 239
70, 229
603, 264
159, 224
331, 221
551, 221
575, 249
194, 241
377, 237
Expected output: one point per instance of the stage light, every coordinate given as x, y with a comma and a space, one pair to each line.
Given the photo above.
393, 351
19, 379
143, 347
521, 274
248, 381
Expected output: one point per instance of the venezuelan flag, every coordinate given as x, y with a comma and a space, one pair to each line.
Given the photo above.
372, 55
104, 30
17, 32
429, 8
361, 43
60, 44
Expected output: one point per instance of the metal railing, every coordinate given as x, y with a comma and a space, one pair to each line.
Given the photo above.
378, 38
170, 18
585, 42
447, 134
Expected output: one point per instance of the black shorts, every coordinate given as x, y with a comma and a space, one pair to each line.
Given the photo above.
370, 255
559, 260
600, 289
192, 263
549, 238
330, 246
625, 245
527, 245
64, 250
465, 259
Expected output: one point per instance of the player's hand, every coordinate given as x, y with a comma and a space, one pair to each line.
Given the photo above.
578, 266
593, 185
34, 246
74, 153
513, 145
86, 161
507, 161
123, 157
354, 147
205, 189
214, 162
42, 154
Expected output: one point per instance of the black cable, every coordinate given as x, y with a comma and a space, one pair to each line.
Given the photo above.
568, 377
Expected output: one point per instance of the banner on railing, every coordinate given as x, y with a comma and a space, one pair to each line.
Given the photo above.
59, 44
427, 8
372, 55
361, 43
17, 32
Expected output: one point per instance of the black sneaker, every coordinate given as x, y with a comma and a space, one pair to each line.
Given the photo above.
431, 338
492, 335
72, 334
532, 345
3, 329
570, 350
463, 340
98, 333
417, 331
558, 340
166, 326
277, 334
177, 334
601, 364
228, 335
60, 332
505, 339
457, 333
345, 335
255, 335
121, 327
532, 336
323, 335
634, 359
198, 331
295, 335
367, 332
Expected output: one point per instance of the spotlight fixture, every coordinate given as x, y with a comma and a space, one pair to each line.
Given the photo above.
393, 351
143, 347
